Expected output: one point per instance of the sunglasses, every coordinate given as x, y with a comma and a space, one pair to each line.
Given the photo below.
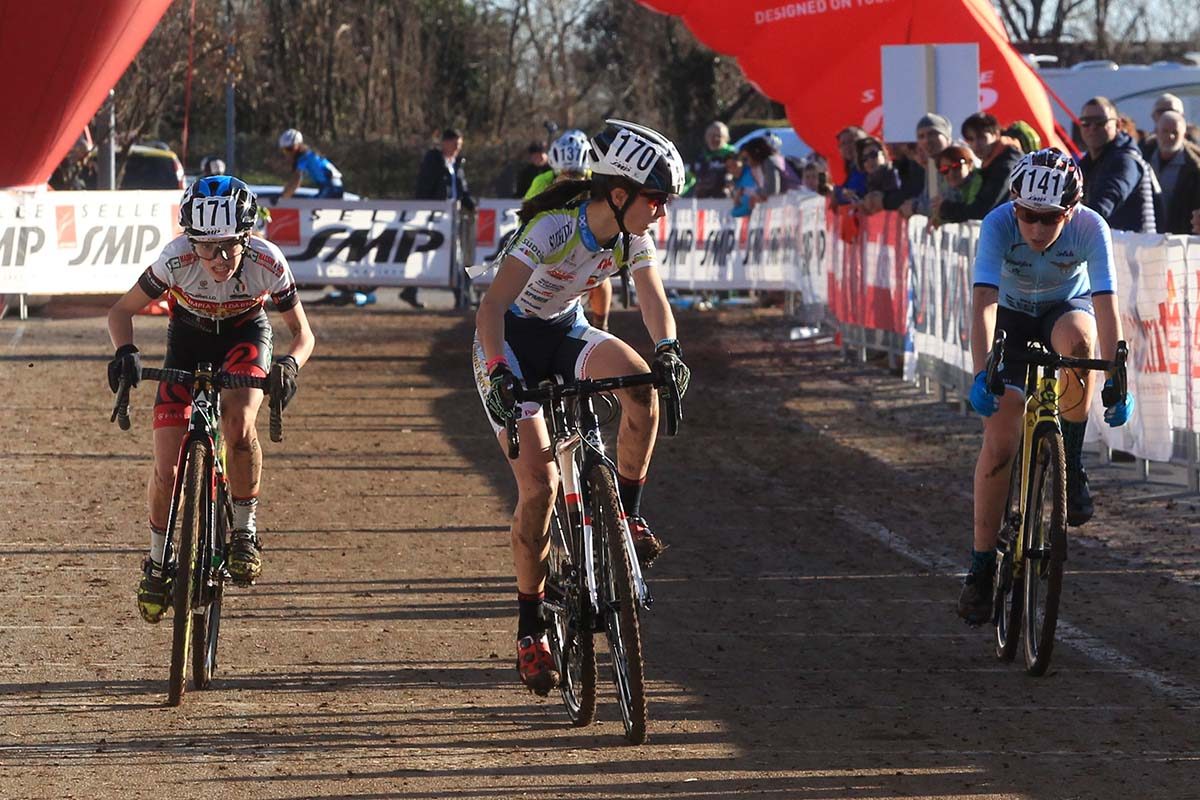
1094, 122
950, 166
210, 250
657, 200
871, 154
1048, 218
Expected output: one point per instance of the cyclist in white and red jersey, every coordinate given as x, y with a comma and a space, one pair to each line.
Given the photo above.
531, 326
216, 276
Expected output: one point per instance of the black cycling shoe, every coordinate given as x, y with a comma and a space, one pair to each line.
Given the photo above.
975, 601
647, 546
1079, 499
245, 558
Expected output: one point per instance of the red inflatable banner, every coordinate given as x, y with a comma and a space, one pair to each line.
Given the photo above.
820, 58
59, 60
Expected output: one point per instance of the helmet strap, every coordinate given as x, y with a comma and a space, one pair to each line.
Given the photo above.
619, 213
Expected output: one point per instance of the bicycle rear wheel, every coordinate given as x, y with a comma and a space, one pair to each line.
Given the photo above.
618, 602
569, 625
207, 625
190, 529
1045, 547
1008, 598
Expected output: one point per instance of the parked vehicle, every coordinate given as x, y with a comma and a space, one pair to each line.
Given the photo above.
151, 166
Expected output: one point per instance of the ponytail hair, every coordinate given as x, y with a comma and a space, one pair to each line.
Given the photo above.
559, 195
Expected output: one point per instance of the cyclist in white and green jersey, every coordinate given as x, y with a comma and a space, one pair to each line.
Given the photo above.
531, 326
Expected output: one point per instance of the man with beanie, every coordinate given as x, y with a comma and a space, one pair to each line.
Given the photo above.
934, 133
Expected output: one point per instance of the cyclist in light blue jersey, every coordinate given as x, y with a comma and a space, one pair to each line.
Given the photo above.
1043, 272
308, 162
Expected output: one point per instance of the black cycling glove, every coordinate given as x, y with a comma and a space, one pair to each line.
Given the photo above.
670, 356
126, 363
282, 381
501, 398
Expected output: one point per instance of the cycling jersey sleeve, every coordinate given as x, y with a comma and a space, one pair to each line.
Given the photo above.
994, 237
544, 235
1098, 236
281, 285
157, 277
642, 253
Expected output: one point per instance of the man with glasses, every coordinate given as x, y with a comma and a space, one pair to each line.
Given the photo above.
1043, 272
216, 276
997, 156
1119, 185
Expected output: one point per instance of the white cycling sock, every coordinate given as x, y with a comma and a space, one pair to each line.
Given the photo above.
158, 544
244, 514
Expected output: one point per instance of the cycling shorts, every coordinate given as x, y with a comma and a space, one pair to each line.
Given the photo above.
1022, 328
242, 349
537, 350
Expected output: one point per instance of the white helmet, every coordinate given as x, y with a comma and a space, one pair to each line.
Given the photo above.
290, 138
569, 153
638, 153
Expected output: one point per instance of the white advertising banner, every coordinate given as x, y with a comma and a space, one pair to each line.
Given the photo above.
376, 243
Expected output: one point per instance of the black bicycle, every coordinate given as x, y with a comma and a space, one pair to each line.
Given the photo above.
1033, 534
594, 581
200, 519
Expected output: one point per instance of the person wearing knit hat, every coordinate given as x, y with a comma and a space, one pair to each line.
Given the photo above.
933, 136
937, 122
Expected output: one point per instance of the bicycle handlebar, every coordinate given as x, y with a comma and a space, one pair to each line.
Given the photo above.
222, 380
1109, 396
553, 392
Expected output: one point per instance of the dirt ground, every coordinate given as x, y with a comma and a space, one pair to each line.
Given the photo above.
803, 642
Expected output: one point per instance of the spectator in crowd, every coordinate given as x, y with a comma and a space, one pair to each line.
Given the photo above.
538, 163
855, 185
768, 168
933, 136
959, 165
1025, 135
1126, 124
710, 170
77, 171
441, 177
1176, 162
1166, 102
210, 166
875, 161
910, 172
1117, 183
308, 162
997, 156
816, 175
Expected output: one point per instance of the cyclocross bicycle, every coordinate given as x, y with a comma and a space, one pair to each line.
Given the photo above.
1033, 533
594, 581
200, 519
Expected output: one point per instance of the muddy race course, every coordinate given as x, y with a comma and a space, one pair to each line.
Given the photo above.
803, 642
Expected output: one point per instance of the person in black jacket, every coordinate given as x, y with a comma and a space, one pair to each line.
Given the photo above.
998, 156
441, 177
1117, 184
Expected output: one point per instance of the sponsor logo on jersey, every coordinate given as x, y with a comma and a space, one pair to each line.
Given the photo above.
561, 236
266, 262
560, 274
1067, 266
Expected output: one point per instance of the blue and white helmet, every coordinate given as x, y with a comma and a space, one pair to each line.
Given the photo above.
640, 154
218, 207
569, 153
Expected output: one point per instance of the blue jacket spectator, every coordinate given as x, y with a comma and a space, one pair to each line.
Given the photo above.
1117, 184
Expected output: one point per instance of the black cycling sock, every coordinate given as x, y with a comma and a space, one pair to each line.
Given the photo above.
529, 614
1073, 445
983, 562
630, 490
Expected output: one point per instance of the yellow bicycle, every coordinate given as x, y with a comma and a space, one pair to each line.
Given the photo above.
1033, 533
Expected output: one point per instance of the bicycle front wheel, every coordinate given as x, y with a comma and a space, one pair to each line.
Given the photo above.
1009, 590
618, 602
190, 529
207, 625
1045, 547
569, 626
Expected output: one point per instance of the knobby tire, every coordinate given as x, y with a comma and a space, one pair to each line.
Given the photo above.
1009, 591
619, 603
190, 529
571, 635
1046, 547
207, 626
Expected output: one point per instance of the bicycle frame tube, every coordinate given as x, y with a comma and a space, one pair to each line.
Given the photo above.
1041, 405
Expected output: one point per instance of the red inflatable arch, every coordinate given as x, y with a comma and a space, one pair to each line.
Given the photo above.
59, 60
820, 58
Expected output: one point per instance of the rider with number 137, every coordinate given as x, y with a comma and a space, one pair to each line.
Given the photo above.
216, 276
1043, 273
531, 326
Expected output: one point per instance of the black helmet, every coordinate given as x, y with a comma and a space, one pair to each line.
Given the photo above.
217, 207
